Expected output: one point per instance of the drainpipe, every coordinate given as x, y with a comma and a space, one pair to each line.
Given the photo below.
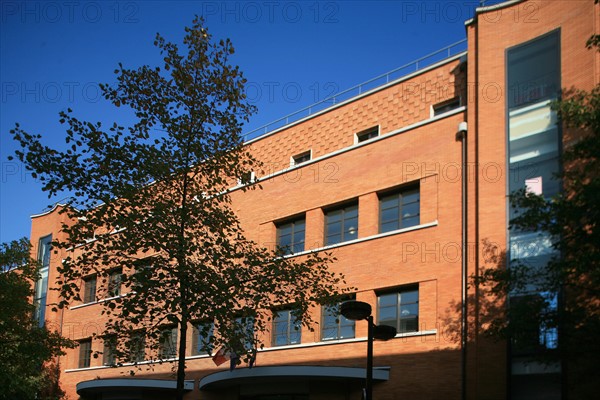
462, 136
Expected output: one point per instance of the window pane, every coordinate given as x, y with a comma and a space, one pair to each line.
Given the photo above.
389, 215
285, 229
387, 313
347, 332
409, 309
410, 210
411, 221
334, 228
411, 196
333, 239
411, 296
390, 226
409, 325
388, 299
389, 201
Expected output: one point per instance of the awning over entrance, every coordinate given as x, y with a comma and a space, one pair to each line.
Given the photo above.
125, 385
241, 376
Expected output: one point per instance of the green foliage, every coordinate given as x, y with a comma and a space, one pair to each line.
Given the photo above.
155, 202
26, 350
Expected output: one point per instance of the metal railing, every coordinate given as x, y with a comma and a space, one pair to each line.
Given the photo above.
411, 67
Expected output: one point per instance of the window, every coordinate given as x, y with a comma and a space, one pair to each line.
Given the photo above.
286, 328
108, 352
114, 283
367, 134
446, 106
89, 289
137, 347
399, 309
290, 236
399, 210
167, 346
334, 325
301, 158
85, 352
245, 328
41, 286
203, 334
538, 332
341, 224
246, 178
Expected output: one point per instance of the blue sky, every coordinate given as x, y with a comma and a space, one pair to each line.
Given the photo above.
53, 54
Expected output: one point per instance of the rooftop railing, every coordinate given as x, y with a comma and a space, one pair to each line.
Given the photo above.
411, 67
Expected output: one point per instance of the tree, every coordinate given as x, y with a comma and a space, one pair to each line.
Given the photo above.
25, 347
151, 202
568, 300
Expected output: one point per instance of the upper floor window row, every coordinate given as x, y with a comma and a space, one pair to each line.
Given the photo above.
398, 209
90, 286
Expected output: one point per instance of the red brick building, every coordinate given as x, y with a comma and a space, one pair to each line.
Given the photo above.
378, 179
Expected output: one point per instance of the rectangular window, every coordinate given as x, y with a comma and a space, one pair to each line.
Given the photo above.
400, 209
290, 236
399, 309
341, 224
367, 134
446, 106
108, 351
245, 328
286, 328
247, 178
203, 334
41, 286
114, 283
168, 343
137, 347
335, 326
89, 289
301, 158
85, 353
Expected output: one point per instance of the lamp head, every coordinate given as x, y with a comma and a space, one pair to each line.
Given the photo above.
383, 332
355, 310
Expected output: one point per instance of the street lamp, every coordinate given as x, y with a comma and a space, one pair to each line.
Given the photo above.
359, 310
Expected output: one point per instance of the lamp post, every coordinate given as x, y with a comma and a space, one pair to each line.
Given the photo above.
359, 310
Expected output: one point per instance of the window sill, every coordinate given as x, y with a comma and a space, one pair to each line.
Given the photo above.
364, 239
267, 349
96, 302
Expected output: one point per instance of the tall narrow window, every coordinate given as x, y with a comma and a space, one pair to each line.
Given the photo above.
114, 282
290, 236
89, 289
108, 351
137, 347
399, 209
399, 309
286, 328
245, 328
341, 224
202, 340
41, 286
168, 343
334, 325
85, 352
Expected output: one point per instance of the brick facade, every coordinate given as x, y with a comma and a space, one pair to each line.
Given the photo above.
414, 148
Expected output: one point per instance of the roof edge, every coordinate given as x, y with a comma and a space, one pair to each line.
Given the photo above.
50, 211
493, 7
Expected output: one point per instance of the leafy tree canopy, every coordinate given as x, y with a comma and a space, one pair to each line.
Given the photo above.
25, 347
152, 201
